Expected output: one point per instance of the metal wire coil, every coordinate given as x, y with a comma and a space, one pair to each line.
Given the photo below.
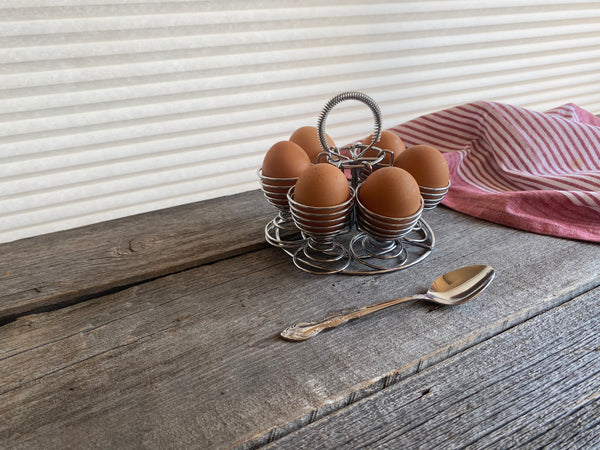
433, 196
321, 223
386, 228
275, 190
359, 96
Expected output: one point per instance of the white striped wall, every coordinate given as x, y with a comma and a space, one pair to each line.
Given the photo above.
109, 109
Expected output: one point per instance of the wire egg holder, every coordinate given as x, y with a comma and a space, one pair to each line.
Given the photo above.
348, 238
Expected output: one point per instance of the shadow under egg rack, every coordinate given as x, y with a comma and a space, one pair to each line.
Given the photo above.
348, 238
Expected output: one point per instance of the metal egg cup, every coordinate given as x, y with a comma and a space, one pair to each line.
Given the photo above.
433, 196
348, 238
280, 232
320, 225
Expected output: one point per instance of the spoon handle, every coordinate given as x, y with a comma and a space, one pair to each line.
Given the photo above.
302, 331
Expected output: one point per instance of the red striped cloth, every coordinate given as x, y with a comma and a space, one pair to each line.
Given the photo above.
534, 171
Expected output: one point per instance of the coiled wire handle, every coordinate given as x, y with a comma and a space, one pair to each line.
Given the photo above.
341, 98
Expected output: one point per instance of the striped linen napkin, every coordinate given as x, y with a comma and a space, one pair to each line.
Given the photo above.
538, 172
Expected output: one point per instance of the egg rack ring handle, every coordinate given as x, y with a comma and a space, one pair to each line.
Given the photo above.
341, 98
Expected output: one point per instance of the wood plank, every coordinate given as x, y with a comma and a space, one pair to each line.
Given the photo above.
66, 266
536, 385
193, 359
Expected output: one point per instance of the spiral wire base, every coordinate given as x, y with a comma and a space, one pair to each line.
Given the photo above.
282, 232
389, 256
321, 257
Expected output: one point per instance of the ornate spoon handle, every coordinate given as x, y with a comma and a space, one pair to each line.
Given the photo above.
302, 331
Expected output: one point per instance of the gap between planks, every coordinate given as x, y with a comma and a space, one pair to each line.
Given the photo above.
59, 269
5, 320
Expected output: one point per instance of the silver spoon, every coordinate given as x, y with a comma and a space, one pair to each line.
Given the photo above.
452, 288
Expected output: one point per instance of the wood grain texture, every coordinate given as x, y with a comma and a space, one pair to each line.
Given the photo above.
535, 385
62, 267
193, 359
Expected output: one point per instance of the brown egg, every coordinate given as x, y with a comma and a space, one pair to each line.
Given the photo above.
285, 159
387, 141
322, 184
390, 192
308, 139
426, 164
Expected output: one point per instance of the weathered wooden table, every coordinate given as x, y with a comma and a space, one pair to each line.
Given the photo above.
161, 331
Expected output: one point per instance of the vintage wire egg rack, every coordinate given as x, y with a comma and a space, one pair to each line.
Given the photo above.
348, 238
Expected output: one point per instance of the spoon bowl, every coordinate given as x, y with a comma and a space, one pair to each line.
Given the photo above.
460, 285
453, 288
